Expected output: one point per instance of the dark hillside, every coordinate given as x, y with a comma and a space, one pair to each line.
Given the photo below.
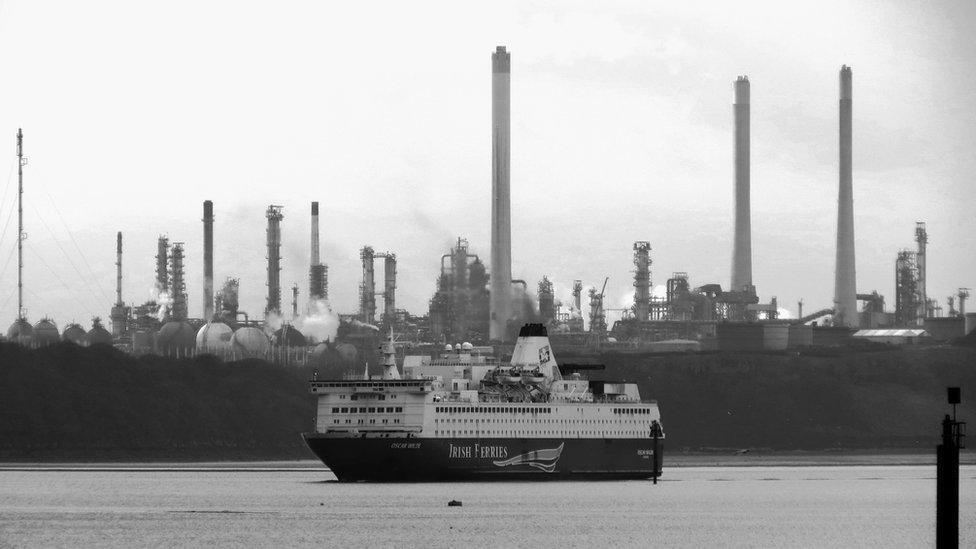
72, 403
68, 402
891, 398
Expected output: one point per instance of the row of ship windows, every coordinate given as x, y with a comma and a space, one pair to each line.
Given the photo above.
361, 422
377, 396
492, 410
573, 421
519, 433
521, 410
380, 410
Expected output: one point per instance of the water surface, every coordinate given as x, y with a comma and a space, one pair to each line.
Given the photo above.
840, 506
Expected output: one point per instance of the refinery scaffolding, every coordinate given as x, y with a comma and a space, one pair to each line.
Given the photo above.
367, 289
274, 216
177, 283
642, 280
459, 308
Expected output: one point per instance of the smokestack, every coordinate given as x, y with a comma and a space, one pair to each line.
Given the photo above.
208, 286
501, 220
274, 216
317, 273
845, 292
315, 233
742, 241
118, 268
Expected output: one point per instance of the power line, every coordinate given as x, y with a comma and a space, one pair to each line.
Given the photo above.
71, 235
63, 283
65, 253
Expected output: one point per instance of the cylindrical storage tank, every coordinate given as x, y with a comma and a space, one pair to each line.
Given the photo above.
46, 333
98, 336
142, 341
775, 337
176, 338
250, 342
75, 334
288, 336
347, 352
214, 337
21, 332
970, 323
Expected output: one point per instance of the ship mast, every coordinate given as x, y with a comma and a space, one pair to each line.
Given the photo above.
20, 223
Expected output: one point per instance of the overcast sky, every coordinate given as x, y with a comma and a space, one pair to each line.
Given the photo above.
134, 113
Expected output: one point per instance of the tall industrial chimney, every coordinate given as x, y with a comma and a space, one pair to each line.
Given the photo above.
501, 216
315, 234
274, 216
742, 241
118, 268
845, 291
318, 273
208, 287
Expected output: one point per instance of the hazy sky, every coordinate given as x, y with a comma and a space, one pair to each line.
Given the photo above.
135, 112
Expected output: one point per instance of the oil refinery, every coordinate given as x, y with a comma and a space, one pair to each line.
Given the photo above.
479, 302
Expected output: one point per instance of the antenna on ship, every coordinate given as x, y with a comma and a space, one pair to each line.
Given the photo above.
21, 235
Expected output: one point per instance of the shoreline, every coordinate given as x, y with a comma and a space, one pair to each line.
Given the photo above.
674, 460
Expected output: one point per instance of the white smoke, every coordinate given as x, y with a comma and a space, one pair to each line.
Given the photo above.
320, 323
164, 300
364, 325
272, 322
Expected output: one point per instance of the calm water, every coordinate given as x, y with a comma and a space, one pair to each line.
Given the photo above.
709, 506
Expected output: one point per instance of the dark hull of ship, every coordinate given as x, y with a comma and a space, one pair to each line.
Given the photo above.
414, 459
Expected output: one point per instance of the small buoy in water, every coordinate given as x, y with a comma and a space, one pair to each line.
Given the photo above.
454, 503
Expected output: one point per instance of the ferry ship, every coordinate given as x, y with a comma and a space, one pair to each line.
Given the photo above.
469, 417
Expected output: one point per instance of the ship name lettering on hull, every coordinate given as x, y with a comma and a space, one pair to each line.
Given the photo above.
477, 451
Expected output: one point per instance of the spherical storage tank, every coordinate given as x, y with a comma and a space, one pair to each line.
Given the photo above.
176, 339
347, 352
288, 336
46, 333
21, 332
75, 334
249, 341
98, 336
214, 337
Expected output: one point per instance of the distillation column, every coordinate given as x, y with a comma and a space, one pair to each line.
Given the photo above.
162, 262
208, 276
317, 275
642, 280
367, 290
501, 222
389, 288
922, 239
845, 292
274, 216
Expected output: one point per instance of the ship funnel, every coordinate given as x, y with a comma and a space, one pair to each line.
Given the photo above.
532, 350
389, 359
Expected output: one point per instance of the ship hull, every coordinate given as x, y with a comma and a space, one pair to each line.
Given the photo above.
416, 459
